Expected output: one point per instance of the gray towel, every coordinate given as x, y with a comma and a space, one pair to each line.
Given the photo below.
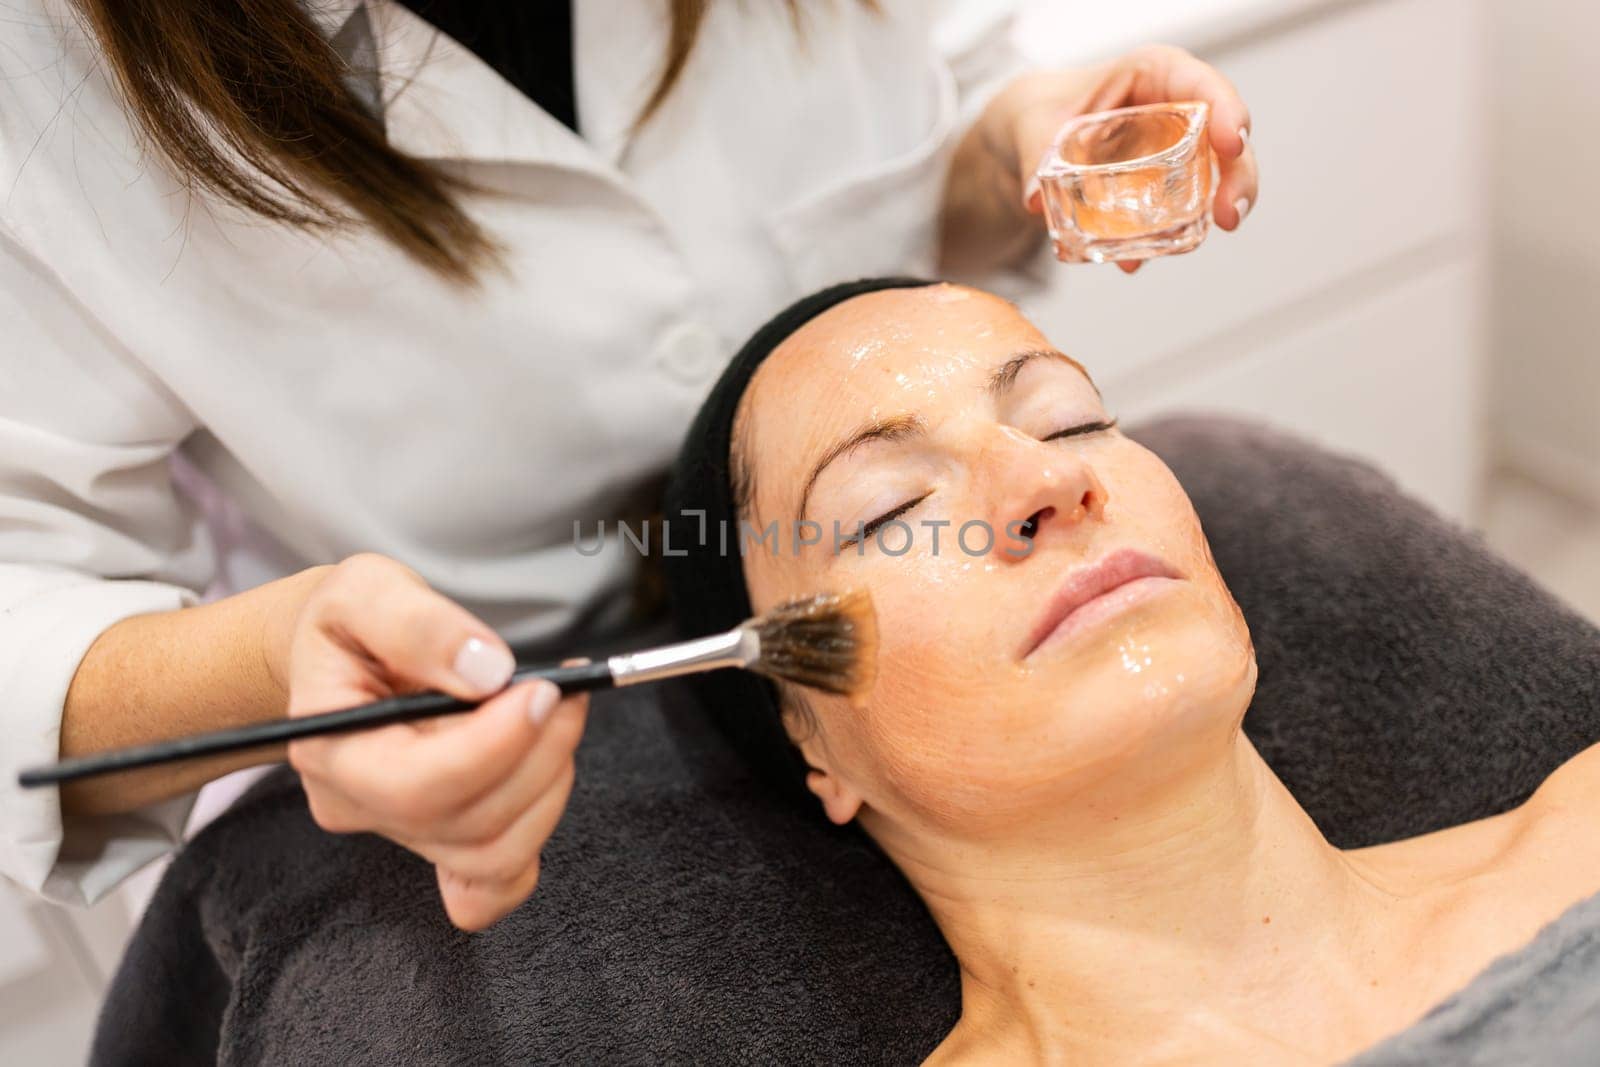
1409, 681
1540, 1005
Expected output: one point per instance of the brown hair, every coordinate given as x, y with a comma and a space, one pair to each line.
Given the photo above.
248, 102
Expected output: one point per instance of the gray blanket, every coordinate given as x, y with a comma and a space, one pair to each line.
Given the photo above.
1540, 1005
1409, 681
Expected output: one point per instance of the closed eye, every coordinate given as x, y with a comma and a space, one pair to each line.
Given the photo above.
868, 529
1079, 431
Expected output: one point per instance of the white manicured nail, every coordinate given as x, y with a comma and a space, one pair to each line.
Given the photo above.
1030, 190
542, 701
1244, 136
484, 667
1242, 206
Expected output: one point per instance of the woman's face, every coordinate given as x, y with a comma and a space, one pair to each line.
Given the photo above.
1051, 620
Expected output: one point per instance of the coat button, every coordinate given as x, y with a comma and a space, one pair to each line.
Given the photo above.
690, 352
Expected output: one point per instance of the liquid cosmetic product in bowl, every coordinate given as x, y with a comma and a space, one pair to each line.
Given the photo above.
1129, 184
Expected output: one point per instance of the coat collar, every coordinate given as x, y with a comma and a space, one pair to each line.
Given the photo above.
331, 15
439, 101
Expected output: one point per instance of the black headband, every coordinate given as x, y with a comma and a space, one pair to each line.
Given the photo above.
706, 583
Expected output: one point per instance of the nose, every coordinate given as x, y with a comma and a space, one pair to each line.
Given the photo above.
1039, 491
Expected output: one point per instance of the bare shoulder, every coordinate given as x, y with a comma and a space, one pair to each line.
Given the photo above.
1562, 812
1485, 888
1550, 836
1551, 852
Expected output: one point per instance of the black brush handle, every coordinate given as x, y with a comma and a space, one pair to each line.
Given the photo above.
407, 708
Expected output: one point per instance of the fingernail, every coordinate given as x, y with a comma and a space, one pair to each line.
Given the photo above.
542, 701
484, 667
1030, 191
1244, 136
1242, 206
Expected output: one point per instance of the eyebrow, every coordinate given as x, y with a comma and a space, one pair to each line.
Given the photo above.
1003, 379
896, 428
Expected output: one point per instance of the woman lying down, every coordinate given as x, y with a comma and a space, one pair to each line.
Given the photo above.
1052, 753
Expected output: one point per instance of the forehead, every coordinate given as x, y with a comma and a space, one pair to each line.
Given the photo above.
893, 352
935, 330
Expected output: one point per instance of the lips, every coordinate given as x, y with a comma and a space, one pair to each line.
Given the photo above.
1100, 589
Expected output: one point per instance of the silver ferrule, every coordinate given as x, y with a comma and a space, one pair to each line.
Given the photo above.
740, 647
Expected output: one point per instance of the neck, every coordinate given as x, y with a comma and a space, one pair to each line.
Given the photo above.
1200, 907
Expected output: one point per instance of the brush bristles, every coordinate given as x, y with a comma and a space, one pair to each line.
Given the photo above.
827, 642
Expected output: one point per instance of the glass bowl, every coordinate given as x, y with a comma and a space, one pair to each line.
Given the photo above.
1129, 184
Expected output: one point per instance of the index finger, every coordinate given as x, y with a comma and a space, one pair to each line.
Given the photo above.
438, 770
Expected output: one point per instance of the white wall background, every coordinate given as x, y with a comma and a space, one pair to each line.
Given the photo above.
1351, 308
1545, 117
1420, 283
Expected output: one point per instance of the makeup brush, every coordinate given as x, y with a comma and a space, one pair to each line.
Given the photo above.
827, 642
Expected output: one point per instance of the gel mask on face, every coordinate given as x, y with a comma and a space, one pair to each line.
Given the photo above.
706, 581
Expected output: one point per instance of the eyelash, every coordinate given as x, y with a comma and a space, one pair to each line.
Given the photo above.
889, 516
872, 527
1078, 431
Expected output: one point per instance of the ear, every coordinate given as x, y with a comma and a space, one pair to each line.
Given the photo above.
839, 798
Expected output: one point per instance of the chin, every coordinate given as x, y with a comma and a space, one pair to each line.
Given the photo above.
1186, 640
1149, 697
